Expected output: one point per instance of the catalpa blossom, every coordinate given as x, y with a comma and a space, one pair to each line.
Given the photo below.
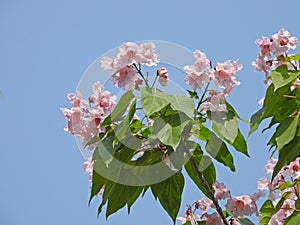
88, 167
221, 191
163, 76
198, 74
215, 102
282, 42
262, 64
204, 205
277, 46
224, 75
241, 206
213, 219
124, 66
285, 211
85, 117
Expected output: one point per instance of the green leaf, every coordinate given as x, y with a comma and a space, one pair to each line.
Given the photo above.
201, 132
94, 140
295, 57
287, 154
282, 76
226, 128
193, 94
286, 131
245, 221
97, 183
240, 144
293, 219
169, 129
278, 105
183, 104
119, 196
134, 197
169, 194
285, 185
266, 211
284, 197
106, 149
232, 110
201, 222
120, 109
205, 165
153, 100
219, 151
255, 121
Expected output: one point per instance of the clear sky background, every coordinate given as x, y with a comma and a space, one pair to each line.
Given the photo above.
45, 47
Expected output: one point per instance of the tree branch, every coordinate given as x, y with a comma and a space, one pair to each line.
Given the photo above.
206, 186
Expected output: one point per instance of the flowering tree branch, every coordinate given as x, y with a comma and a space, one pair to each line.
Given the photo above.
206, 185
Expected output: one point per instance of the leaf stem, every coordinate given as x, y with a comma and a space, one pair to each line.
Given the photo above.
206, 186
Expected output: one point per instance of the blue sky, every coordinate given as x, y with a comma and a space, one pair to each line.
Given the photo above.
45, 47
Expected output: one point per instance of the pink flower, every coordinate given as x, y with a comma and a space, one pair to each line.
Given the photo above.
88, 167
225, 75
242, 206
264, 44
149, 57
125, 78
107, 63
204, 205
74, 117
263, 184
200, 72
292, 170
124, 72
215, 102
221, 191
262, 64
163, 76
282, 42
213, 219
77, 101
84, 119
234, 222
278, 45
102, 99
270, 165
285, 211
296, 84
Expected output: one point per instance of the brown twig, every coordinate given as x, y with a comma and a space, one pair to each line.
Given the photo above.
206, 186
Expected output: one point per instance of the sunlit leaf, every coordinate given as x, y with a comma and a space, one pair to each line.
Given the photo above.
266, 211
120, 109
169, 194
282, 76
287, 154
219, 151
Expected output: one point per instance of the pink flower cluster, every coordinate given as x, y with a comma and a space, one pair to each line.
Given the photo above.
277, 46
125, 66
85, 116
201, 73
288, 173
239, 206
